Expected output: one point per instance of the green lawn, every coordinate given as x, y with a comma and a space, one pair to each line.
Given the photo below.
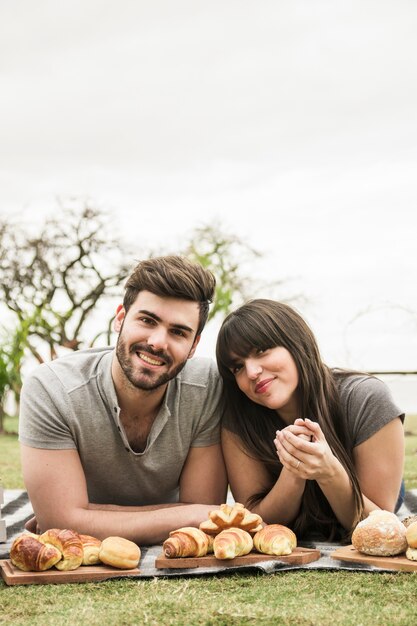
311, 598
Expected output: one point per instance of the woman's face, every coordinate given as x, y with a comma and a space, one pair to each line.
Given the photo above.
269, 378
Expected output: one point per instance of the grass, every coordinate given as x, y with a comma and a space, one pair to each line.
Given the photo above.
304, 598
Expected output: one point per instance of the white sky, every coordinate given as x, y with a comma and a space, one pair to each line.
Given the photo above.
294, 123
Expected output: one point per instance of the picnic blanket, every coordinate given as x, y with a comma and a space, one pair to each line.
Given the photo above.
16, 510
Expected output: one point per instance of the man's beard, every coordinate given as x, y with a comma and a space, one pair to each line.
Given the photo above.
143, 379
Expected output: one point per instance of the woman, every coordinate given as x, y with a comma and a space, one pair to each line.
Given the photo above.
306, 446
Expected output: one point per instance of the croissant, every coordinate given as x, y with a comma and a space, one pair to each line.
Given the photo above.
231, 516
186, 541
91, 549
68, 543
275, 539
31, 555
231, 543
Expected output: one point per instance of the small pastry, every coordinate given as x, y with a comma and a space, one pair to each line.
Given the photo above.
119, 552
231, 543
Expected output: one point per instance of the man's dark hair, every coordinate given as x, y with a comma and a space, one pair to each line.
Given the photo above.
172, 277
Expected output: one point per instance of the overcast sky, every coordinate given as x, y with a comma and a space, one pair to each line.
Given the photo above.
294, 123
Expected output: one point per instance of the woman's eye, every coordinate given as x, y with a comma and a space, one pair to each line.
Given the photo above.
235, 369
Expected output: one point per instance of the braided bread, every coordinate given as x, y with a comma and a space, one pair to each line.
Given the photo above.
231, 516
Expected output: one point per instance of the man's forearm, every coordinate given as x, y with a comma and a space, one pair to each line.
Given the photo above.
146, 525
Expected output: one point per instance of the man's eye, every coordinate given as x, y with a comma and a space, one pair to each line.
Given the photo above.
178, 332
147, 320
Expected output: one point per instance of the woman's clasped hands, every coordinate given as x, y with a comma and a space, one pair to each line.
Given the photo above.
303, 450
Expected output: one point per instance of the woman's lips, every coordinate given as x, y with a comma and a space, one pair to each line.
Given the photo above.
263, 385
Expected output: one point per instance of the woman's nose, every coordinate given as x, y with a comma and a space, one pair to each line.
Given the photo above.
253, 369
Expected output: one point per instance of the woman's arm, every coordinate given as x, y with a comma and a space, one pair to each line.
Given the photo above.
378, 462
248, 476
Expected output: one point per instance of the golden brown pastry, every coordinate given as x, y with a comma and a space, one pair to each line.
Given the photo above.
380, 534
68, 543
231, 516
31, 555
275, 539
407, 521
411, 535
91, 548
411, 553
231, 543
119, 552
187, 541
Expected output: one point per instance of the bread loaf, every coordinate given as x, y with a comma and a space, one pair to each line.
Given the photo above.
231, 543
91, 548
68, 543
380, 534
31, 555
275, 539
185, 542
119, 552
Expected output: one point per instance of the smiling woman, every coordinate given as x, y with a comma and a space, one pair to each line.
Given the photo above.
305, 445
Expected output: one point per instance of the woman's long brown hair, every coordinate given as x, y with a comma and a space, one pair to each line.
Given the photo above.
264, 324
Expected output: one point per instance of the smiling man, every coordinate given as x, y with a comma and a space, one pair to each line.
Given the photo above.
125, 441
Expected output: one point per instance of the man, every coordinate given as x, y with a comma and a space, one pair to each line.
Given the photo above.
125, 441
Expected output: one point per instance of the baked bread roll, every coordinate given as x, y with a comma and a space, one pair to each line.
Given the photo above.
275, 539
231, 516
68, 543
411, 535
407, 521
187, 541
380, 534
231, 543
31, 555
411, 553
91, 548
119, 552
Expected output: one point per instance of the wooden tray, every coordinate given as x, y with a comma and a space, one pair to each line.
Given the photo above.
299, 556
87, 573
348, 553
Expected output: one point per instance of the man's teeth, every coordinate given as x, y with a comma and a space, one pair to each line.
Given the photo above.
148, 359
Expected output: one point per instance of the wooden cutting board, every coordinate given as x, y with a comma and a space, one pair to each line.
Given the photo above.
87, 573
299, 556
348, 553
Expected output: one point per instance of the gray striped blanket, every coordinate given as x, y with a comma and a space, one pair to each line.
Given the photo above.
16, 510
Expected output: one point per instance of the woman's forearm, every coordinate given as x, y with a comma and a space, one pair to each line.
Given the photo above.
282, 503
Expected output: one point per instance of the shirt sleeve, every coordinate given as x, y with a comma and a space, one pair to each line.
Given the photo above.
42, 422
370, 406
206, 430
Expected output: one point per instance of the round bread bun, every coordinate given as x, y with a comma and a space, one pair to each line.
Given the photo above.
119, 552
411, 553
411, 535
380, 534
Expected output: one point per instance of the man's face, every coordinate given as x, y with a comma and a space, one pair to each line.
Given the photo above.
156, 338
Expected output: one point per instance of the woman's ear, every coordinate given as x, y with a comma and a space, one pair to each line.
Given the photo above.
119, 317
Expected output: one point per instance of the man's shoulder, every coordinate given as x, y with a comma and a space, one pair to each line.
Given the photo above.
75, 368
199, 371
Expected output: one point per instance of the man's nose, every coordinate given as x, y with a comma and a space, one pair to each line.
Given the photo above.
158, 338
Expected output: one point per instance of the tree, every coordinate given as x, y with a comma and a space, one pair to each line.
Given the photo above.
228, 256
53, 280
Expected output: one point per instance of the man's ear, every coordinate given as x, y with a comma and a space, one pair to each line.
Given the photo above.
195, 344
119, 317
